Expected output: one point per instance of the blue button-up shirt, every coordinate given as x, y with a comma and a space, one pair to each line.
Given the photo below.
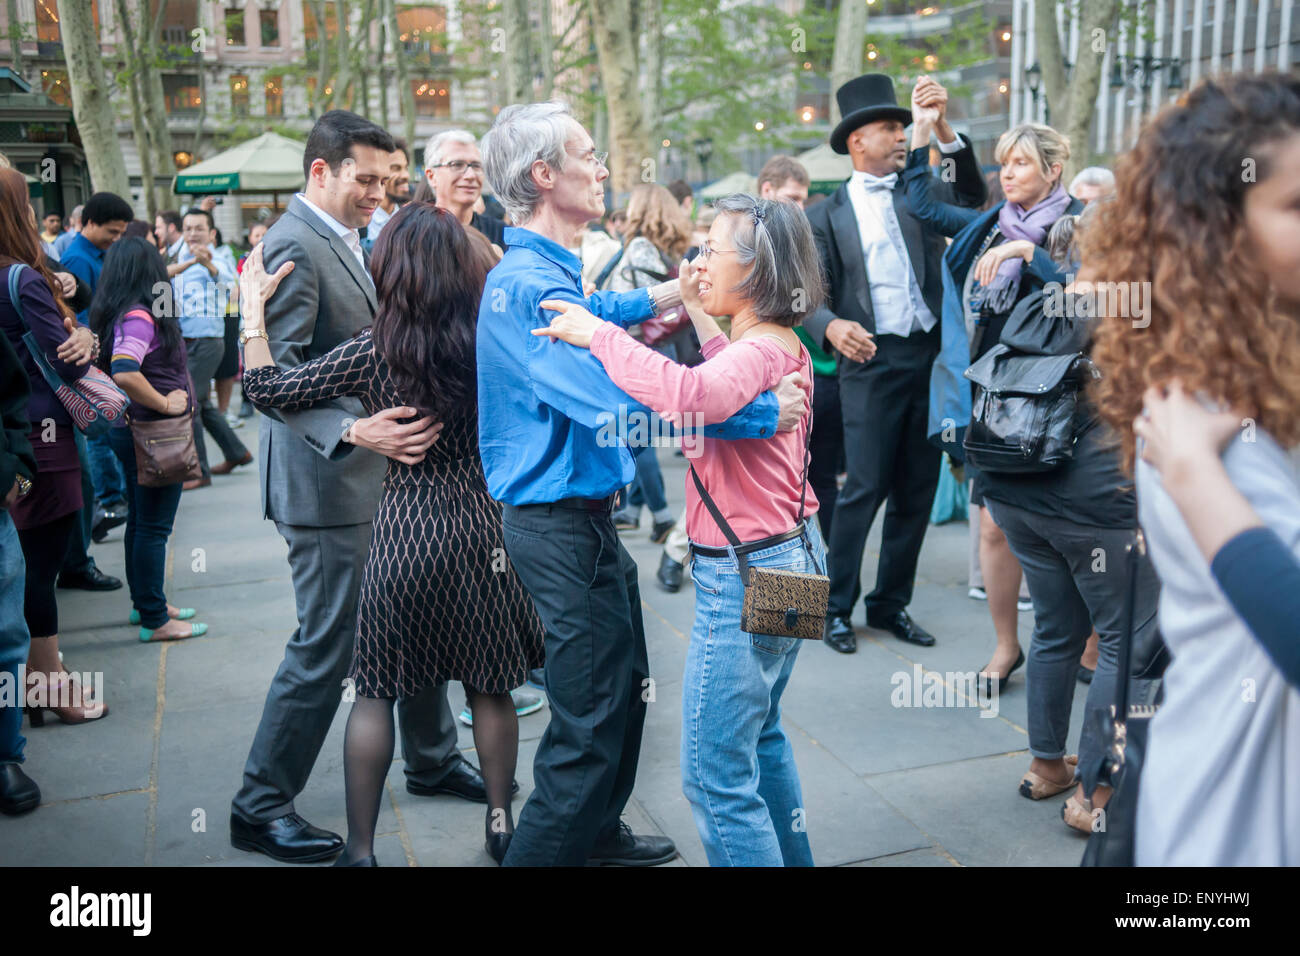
85, 260
544, 407
200, 298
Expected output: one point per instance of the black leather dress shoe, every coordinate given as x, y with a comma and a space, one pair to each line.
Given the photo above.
463, 781
669, 574
901, 625
111, 520
840, 636
620, 847
90, 580
289, 839
497, 844
18, 792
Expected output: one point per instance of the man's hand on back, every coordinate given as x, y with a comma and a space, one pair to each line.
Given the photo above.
793, 401
382, 432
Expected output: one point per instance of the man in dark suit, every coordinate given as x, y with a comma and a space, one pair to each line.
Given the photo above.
322, 493
882, 316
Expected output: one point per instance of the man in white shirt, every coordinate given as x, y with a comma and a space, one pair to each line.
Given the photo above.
397, 192
881, 316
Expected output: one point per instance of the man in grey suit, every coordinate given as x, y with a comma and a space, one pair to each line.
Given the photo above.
322, 494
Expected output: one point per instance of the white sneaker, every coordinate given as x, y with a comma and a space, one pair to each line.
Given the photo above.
1024, 605
977, 594
234, 421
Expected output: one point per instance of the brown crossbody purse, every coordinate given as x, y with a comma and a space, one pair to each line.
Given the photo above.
781, 603
164, 451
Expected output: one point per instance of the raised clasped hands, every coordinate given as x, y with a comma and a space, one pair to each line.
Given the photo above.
929, 101
574, 324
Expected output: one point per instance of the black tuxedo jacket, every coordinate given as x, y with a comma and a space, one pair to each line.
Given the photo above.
835, 228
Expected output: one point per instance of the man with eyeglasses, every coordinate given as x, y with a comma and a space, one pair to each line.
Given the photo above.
555, 453
454, 167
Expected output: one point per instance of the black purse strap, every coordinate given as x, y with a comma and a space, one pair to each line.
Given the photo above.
721, 522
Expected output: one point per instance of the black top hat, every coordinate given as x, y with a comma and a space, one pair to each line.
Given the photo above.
864, 99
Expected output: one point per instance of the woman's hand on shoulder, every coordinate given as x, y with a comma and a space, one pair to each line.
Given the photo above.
1179, 434
574, 324
256, 285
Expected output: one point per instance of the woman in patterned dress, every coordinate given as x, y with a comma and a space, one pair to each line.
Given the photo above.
439, 600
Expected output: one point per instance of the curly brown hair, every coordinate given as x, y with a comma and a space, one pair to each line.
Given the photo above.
652, 212
1177, 222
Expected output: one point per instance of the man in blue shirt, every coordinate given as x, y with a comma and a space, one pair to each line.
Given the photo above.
548, 454
204, 280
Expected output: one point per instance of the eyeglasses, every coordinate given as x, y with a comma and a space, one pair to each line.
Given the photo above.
707, 251
458, 166
599, 156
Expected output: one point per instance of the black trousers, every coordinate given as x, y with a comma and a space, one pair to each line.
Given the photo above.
584, 584
826, 449
885, 404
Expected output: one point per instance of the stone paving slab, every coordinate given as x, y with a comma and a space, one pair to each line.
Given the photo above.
885, 786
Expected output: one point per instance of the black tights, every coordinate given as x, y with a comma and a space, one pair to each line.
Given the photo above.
368, 753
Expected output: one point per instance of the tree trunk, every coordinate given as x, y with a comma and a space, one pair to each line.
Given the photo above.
653, 61
91, 106
617, 55
846, 59
343, 72
155, 106
547, 52
406, 95
133, 69
387, 45
519, 69
1074, 104
15, 36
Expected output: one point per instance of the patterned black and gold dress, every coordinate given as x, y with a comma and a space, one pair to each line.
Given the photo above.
439, 599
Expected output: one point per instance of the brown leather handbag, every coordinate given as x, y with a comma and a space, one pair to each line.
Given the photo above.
164, 450
782, 603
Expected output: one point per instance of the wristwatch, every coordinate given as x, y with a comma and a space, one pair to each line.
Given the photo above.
347, 427
246, 334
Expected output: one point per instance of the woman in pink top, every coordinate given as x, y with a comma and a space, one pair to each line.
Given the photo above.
759, 266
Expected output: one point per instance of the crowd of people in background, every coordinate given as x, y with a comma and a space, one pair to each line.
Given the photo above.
435, 367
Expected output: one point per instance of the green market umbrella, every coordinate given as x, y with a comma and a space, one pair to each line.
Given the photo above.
827, 169
735, 183
269, 163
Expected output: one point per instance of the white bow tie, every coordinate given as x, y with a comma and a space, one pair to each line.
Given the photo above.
872, 183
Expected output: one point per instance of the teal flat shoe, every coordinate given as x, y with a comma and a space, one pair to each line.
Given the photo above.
196, 630
185, 614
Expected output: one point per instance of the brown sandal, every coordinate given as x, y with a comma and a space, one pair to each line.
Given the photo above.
1078, 814
1040, 788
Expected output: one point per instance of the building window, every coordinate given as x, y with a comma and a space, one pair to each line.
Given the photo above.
54, 83
270, 23
239, 94
180, 19
235, 35
274, 96
181, 93
49, 37
422, 30
432, 97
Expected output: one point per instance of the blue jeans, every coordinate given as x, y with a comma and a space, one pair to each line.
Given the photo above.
14, 639
148, 526
647, 487
105, 475
738, 768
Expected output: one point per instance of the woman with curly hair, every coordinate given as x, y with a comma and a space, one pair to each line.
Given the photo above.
1217, 239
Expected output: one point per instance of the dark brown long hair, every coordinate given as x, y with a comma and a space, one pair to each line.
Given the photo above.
428, 280
1178, 222
19, 241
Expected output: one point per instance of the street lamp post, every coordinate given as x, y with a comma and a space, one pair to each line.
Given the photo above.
704, 150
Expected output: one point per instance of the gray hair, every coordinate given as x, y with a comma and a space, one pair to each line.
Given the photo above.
521, 135
433, 149
1093, 176
785, 283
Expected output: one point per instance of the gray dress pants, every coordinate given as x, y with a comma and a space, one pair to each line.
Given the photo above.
305, 693
204, 356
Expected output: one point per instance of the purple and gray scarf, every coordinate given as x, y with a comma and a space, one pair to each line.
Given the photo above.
1015, 222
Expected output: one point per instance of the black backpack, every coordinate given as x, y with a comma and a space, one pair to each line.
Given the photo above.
1026, 392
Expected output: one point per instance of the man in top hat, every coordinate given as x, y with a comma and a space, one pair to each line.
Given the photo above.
882, 318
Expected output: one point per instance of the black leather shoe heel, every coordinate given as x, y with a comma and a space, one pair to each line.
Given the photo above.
18, 792
497, 844
840, 636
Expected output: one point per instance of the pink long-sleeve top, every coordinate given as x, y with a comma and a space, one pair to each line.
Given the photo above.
755, 482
